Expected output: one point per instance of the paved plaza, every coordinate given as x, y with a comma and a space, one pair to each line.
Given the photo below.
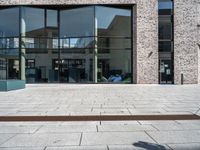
72, 99
101, 99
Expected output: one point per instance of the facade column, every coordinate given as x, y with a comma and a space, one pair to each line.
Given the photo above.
146, 54
95, 59
23, 50
186, 61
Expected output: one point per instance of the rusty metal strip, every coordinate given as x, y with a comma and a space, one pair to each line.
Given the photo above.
98, 118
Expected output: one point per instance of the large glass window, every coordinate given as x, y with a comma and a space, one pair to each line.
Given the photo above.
77, 42
41, 43
9, 43
114, 44
72, 44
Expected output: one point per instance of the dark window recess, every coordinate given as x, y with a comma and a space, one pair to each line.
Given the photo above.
30, 63
166, 38
165, 46
165, 28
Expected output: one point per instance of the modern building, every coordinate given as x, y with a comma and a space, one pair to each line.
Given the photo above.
100, 41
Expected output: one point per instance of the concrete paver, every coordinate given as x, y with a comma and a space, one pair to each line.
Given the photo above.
191, 146
139, 146
68, 128
5, 137
102, 138
104, 128
175, 136
90, 99
18, 129
39, 140
65, 99
78, 148
112, 135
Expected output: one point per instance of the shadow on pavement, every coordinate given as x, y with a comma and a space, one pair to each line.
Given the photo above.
149, 146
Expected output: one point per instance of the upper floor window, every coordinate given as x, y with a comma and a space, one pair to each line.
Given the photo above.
165, 7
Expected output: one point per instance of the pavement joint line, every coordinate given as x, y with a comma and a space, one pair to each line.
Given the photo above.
97, 128
15, 134
197, 111
100, 118
38, 129
45, 148
150, 137
154, 127
81, 138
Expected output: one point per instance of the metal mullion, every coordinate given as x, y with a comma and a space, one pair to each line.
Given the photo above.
59, 48
20, 42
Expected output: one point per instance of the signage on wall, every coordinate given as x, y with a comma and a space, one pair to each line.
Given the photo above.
162, 68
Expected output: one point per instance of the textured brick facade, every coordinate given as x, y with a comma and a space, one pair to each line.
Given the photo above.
186, 49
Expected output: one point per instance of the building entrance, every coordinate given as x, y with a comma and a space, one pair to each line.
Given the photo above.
166, 72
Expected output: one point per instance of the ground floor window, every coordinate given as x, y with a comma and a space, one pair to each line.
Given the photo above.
82, 44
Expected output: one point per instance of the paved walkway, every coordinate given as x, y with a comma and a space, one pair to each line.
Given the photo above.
66, 99
74, 99
123, 135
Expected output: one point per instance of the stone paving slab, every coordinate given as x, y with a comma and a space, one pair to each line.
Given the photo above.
123, 128
191, 146
175, 126
113, 135
103, 138
171, 137
5, 137
39, 140
139, 146
78, 148
22, 148
119, 122
101, 99
18, 129
68, 128
65, 99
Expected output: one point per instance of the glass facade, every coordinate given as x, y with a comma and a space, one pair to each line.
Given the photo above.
9, 43
166, 42
87, 44
114, 44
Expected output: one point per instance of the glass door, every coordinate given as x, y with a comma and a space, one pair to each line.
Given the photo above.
166, 72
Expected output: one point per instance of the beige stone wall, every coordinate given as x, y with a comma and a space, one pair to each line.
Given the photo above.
62, 2
198, 36
185, 45
145, 43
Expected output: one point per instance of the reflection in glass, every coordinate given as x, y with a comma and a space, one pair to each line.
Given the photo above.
83, 44
114, 44
34, 20
77, 22
165, 7
9, 43
9, 24
52, 19
41, 43
77, 40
